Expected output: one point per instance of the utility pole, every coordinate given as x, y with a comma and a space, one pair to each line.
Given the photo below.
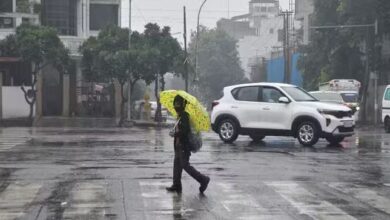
129, 81
197, 43
286, 45
185, 49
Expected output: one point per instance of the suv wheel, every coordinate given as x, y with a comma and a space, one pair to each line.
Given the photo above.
387, 125
228, 130
335, 140
308, 133
257, 137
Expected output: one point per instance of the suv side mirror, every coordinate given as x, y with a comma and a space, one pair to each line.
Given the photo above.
284, 100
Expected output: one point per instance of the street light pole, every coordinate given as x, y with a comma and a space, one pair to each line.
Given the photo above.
197, 43
129, 81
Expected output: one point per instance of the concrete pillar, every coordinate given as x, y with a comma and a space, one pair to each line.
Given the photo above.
65, 95
118, 99
1, 95
39, 94
79, 85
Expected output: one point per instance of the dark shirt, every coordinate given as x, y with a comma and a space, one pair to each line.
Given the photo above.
183, 131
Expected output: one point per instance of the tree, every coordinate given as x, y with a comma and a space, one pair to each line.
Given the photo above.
108, 58
163, 53
219, 64
40, 46
338, 53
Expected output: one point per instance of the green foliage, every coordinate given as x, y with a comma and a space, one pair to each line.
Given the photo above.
339, 53
38, 45
22, 6
219, 63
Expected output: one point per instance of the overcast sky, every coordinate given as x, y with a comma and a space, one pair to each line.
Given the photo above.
170, 12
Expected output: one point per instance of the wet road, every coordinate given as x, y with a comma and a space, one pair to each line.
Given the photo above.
57, 173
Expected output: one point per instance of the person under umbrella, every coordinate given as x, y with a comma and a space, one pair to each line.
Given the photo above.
182, 152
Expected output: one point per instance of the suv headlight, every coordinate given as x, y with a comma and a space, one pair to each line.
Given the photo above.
325, 112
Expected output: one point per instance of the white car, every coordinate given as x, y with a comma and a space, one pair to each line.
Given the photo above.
386, 109
274, 109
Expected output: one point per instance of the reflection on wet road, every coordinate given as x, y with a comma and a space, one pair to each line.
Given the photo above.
112, 173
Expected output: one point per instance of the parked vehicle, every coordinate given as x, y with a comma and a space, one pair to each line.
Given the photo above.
349, 99
337, 85
139, 108
348, 89
386, 109
274, 109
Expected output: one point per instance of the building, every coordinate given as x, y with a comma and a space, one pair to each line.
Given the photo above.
12, 71
303, 11
258, 34
75, 21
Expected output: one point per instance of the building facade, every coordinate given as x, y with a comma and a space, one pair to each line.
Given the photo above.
258, 34
75, 21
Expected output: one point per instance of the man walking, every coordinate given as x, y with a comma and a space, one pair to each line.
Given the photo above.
182, 151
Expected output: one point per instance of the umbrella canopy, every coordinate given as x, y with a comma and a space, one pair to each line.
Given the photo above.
198, 115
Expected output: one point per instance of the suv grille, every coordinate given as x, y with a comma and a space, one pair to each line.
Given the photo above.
341, 114
343, 129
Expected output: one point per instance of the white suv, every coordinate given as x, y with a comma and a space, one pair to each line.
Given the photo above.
274, 109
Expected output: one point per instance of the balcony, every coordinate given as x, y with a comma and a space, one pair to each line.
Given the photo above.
72, 44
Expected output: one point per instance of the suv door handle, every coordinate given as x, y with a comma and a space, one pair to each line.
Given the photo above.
234, 106
266, 108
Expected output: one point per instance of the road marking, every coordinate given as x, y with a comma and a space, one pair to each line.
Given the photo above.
159, 203
87, 201
364, 194
7, 143
15, 199
244, 206
307, 203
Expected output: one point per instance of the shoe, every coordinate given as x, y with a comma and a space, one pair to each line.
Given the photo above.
204, 185
174, 188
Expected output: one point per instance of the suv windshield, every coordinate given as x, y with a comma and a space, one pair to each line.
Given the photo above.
299, 94
350, 97
328, 97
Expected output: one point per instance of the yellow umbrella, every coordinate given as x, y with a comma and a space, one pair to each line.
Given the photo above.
198, 115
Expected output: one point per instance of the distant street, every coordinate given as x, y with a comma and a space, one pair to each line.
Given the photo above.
115, 173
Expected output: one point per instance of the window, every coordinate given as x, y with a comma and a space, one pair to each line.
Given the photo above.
6, 6
299, 94
263, 9
387, 95
60, 14
102, 15
249, 94
271, 31
350, 97
271, 95
6, 22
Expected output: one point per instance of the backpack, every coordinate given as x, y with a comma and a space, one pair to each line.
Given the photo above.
195, 140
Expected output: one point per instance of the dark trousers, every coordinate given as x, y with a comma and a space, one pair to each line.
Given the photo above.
182, 162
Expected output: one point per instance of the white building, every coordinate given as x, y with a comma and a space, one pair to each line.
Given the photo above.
303, 11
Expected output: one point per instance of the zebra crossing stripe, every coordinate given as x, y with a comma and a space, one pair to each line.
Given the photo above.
158, 202
85, 200
364, 194
244, 206
307, 203
15, 198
